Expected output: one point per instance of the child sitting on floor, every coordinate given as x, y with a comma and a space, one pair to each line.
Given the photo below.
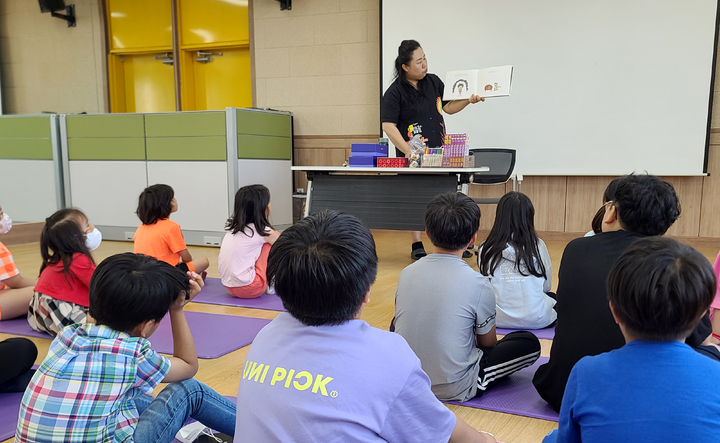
319, 373
96, 382
61, 294
15, 289
447, 314
715, 305
654, 388
246, 245
160, 237
515, 263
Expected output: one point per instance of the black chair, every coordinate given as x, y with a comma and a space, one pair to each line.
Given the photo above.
501, 162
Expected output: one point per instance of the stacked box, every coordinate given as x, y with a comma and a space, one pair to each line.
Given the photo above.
388, 162
365, 155
362, 162
456, 148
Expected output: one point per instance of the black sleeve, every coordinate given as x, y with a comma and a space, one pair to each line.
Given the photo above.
391, 106
441, 92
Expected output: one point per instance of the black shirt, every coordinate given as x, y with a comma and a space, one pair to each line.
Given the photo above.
585, 325
416, 111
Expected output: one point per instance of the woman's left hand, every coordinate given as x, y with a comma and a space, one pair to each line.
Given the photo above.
476, 98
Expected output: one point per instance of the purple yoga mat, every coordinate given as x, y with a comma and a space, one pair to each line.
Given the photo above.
515, 394
215, 335
9, 408
20, 326
214, 293
547, 333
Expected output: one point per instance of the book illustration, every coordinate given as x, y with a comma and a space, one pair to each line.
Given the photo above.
459, 84
488, 82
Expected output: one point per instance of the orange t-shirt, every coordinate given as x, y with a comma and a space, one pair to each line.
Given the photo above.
7, 266
162, 240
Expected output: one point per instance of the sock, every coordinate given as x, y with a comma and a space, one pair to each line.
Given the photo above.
417, 245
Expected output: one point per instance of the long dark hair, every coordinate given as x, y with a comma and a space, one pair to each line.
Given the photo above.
61, 238
404, 57
514, 226
155, 203
251, 202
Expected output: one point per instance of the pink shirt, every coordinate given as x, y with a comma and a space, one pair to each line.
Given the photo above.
716, 303
238, 254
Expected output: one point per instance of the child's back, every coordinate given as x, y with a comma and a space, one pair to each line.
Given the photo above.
522, 300
515, 263
89, 363
654, 388
94, 383
162, 240
644, 391
244, 251
447, 297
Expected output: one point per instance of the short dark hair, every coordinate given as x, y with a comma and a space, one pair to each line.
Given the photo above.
645, 204
322, 267
155, 203
451, 219
129, 289
659, 288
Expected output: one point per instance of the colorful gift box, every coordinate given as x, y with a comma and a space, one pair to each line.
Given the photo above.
395, 162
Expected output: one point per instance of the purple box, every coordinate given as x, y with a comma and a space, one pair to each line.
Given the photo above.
377, 149
362, 162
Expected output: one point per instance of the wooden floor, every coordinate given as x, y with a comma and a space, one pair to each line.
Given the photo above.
223, 374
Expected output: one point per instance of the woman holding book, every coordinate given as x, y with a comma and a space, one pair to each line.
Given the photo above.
413, 105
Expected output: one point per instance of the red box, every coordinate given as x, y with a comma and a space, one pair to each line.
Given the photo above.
388, 162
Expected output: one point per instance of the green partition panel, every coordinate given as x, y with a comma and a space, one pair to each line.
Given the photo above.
265, 147
189, 124
99, 148
26, 148
25, 127
106, 126
25, 138
186, 148
264, 123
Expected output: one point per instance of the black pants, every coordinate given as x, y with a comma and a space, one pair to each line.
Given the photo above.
17, 355
515, 351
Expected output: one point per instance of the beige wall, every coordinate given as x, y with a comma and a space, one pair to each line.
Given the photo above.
321, 61
46, 66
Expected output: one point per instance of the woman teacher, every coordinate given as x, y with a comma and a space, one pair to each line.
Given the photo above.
413, 105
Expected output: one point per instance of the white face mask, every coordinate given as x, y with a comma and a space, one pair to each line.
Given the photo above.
93, 239
5, 224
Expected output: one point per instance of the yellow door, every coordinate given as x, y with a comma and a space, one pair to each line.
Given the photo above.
217, 81
141, 83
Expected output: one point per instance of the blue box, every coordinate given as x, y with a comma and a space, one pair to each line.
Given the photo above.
369, 154
378, 149
362, 162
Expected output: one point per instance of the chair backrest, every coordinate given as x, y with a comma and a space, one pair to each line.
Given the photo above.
500, 160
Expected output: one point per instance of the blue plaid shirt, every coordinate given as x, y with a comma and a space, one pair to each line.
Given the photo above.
84, 390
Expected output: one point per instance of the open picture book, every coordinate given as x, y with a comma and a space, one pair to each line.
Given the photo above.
488, 82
